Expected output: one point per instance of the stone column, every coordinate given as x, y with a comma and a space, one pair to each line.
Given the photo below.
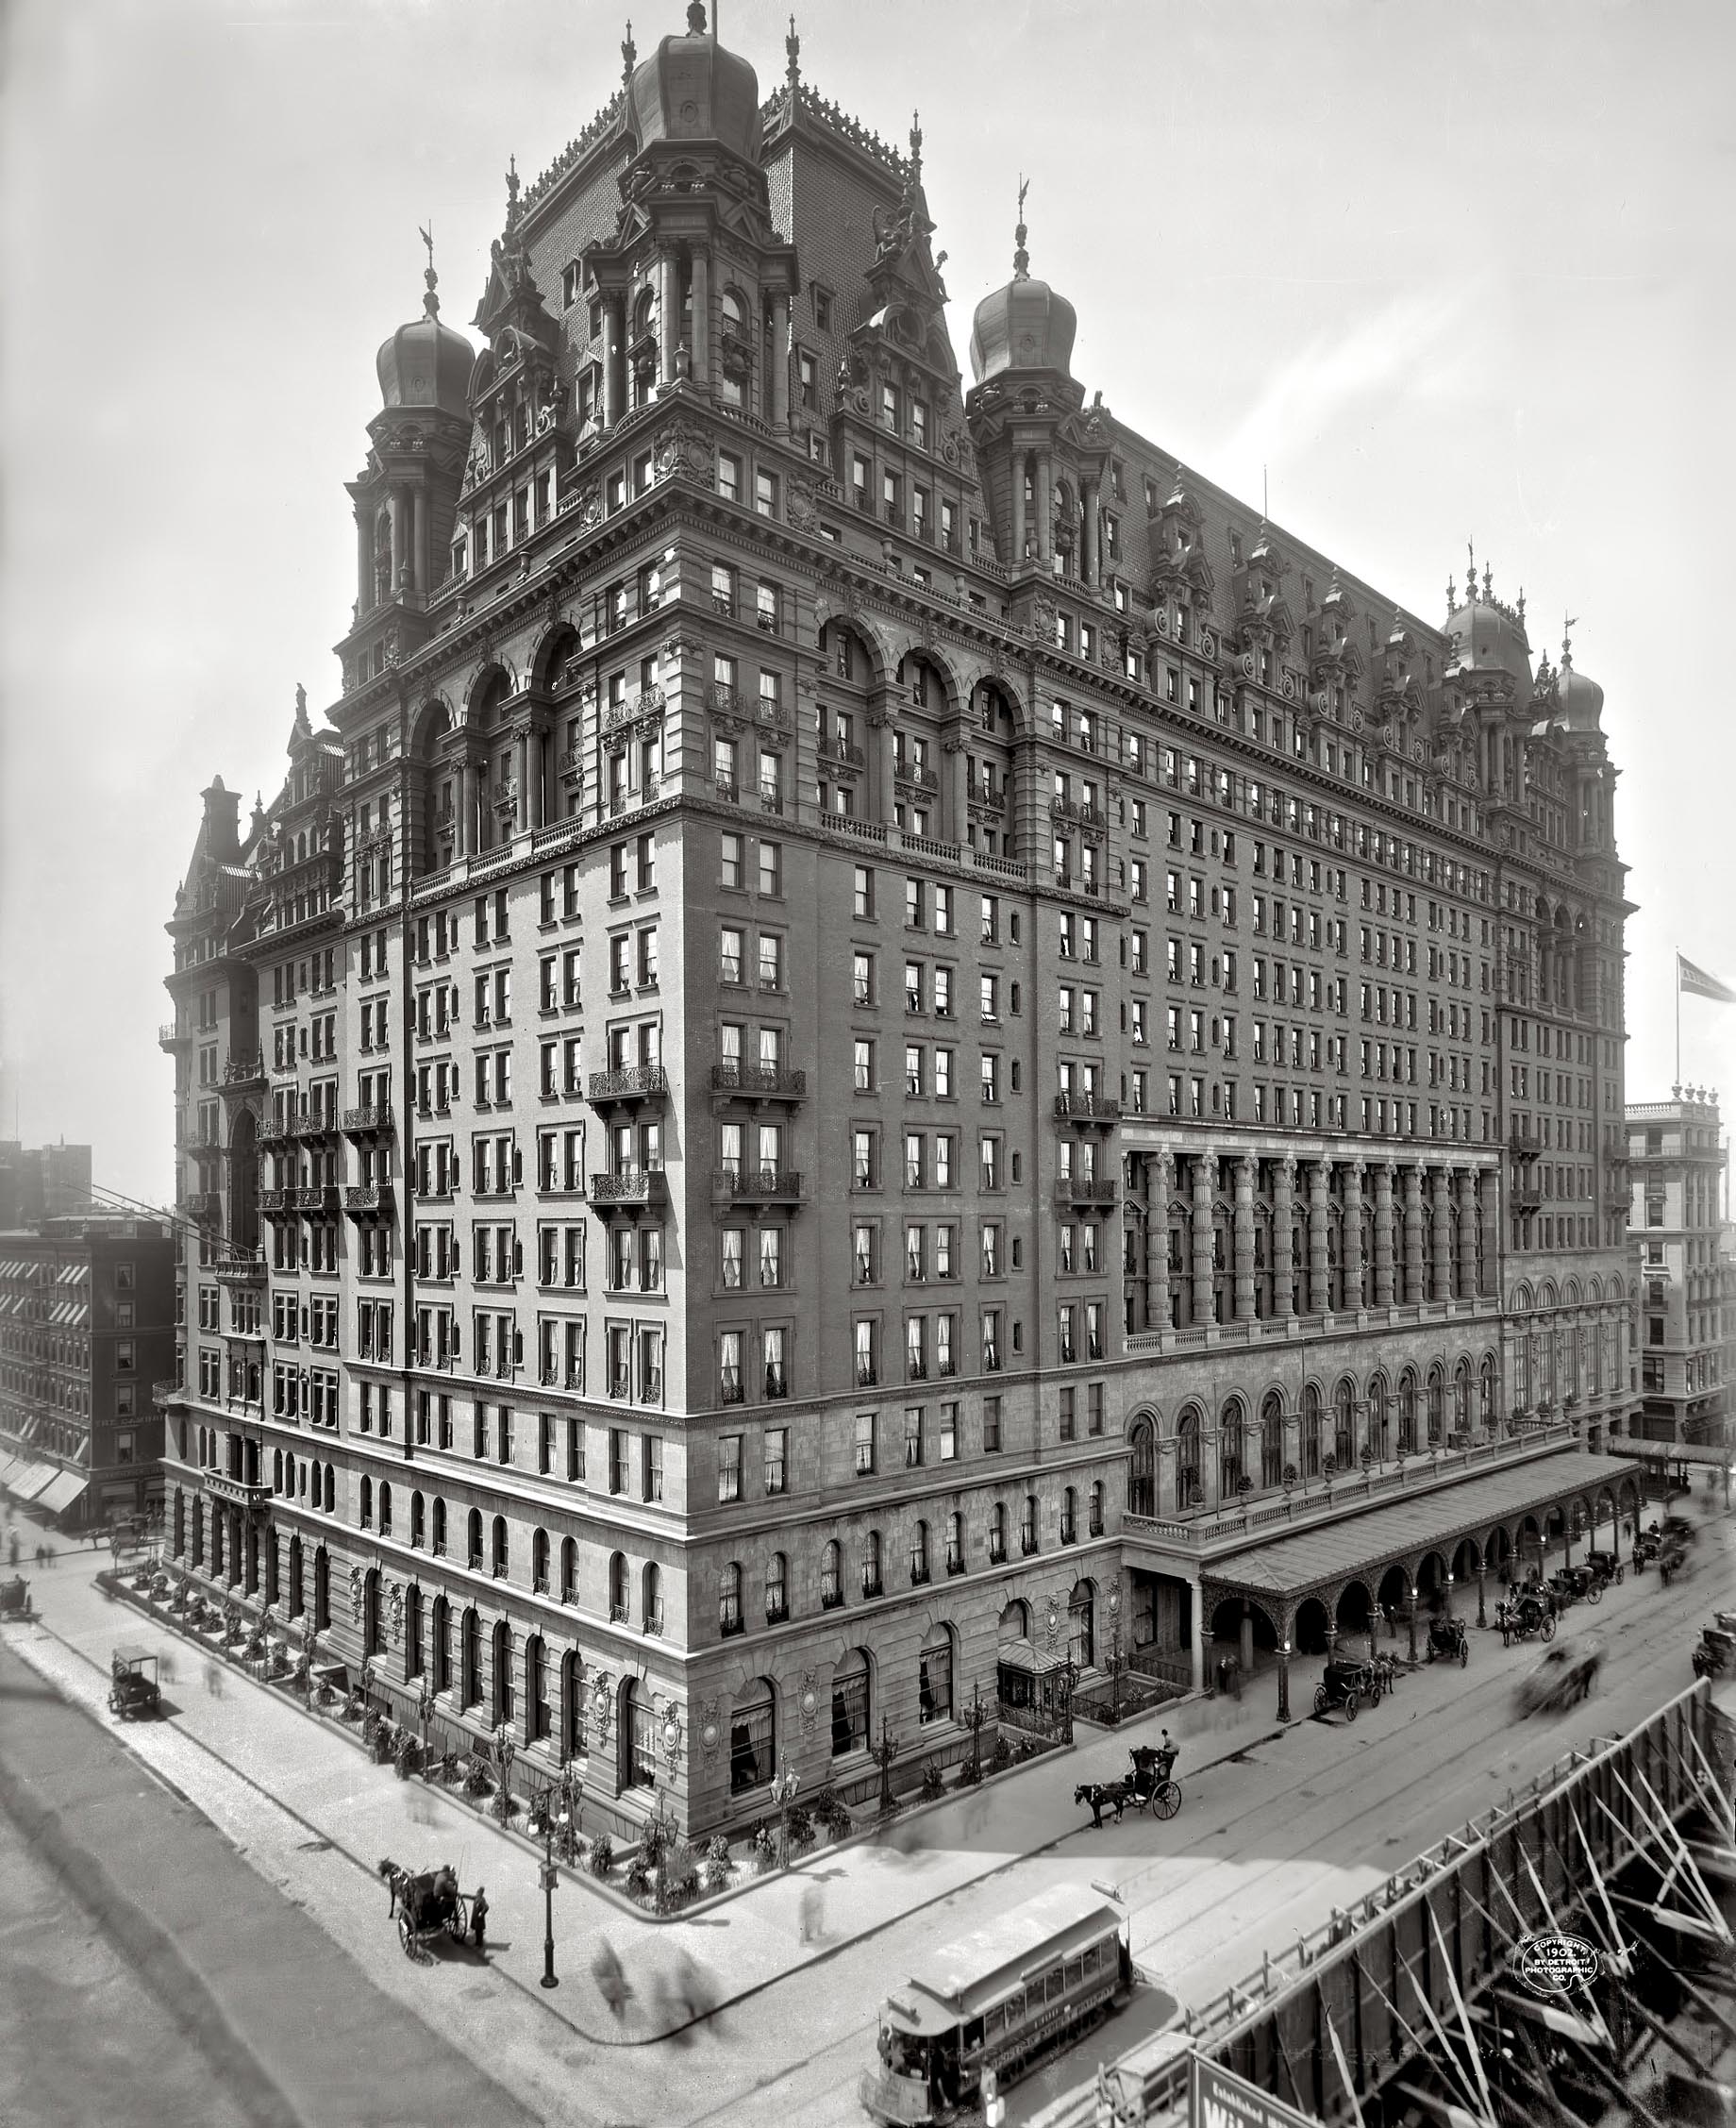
394, 505
521, 769
1020, 461
668, 315
1413, 1232
1488, 1198
1283, 1254
364, 566
1441, 1234
880, 723
461, 832
1319, 1284
1286, 1625
422, 573
1383, 1233
614, 358
535, 798
1353, 1233
1160, 1176
1089, 534
1205, 1174
702, 319
778, 377
1045, 507
1244, 1240
1466, 1282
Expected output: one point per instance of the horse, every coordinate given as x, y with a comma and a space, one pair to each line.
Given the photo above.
1101, 1795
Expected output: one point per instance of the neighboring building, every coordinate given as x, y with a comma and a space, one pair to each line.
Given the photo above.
1678, 1167
40, 1183
87, 1328
875, 1005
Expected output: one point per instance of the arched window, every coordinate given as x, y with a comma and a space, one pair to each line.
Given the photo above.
1406, 1413
442, 1645
373, 1640
653, 1588
1311, 1431
617, 1588
776, 1590
322, 1591
1229, 1448
276, 1473
1189, 1492
501, 1651
1380, 1417
919, 1554
1437, 1406
1272, 1439
418, 1521
1096, 1526
470, 1660
997, 1534
569, 1570
1488, 1390
474, 1547
1069, 1525
934, 1676
1143, 1468
573, 1736
753, 1738
871, 1563
330, 1491
536, 1690
385, 1509
289, 1474
955, 1543
637, 1736
850, 1704
1027, 1526
297, 1598
539, 1562
1343, 1424
831, 1576
730, 1617
412, 1632
499, 1563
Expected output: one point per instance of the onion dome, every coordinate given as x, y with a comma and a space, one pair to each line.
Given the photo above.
691, 88
1581, 699
1488, 637
425, 363
1024, 325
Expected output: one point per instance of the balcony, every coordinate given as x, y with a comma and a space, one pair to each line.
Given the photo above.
313, 1197
831, 1599
758, 1081
1088, 1107
631, 1189
245, 1071
730, 701
167, 1392
837, 755
373, 1122
274, 1203
1070, 808
1084, 1189
1524, 1146
729, 1627
918, 778
1525, 1196
640, 1086
369, 1201
777, 1611
619, 716
202, 1204
757, 1185
314, 1125
243, 1267
171, 1037
238, 1491
271, 1134
569, 765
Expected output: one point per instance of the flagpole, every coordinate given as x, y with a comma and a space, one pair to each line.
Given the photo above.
1679, 1015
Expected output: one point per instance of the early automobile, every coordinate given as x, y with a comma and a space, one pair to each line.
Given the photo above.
979, 2014
1584, 1580
1566, 1676
1447, 1638
1346, 1686
133, 1689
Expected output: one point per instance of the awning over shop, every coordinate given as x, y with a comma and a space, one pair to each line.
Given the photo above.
1431, 1520
61, 1491
28, 1482
9, 1464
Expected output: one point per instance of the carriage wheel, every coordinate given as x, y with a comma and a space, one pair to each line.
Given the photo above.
1429, 1652
1464, 1654
1350, 1707
1373, 1697
1321, 1701
458, 1922
1167, 1801
405, 1935
1595, 1594
1506, 1640
1619, 1572
1548, 1628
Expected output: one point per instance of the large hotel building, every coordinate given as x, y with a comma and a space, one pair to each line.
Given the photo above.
876, 1018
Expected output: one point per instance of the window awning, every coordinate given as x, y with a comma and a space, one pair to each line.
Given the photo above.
7, 1465
61, 1491
27, 1483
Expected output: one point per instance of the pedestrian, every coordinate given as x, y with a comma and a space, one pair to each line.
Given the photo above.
478, 1918
165, 1667
51, 1555
213, 1678
813, 1914
13, 1548
611, 1982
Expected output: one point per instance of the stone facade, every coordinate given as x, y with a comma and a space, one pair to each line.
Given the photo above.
1679, 1169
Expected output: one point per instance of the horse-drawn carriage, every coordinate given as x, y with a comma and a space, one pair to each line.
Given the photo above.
1346, 1686
133, 1689
1715, 1656
15, 1598
1529, 1610
1148, 1783
1584, 1580
1446, 1639
1606, 1565
426, 1906
1673, 1560
1566, 1676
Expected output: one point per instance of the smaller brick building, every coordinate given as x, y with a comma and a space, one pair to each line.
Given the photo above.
87, 1325
1676, 1163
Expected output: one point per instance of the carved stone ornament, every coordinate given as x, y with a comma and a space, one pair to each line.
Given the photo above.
1054, 1619
602, 1704
953, 742
710, 1731
356, 1594
799, 504
1043, 615
809, 1703
669, 1733
394, 1605
878, 715
682, 449
589, 504
854, 603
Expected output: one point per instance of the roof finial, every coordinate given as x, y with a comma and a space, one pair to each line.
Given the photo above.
301, 703
629, 54
1519, 606
1569, 621
1488, 585
513, 185
1020, 258
793, 59
1471, 574
430, 302
695, 18
916, 147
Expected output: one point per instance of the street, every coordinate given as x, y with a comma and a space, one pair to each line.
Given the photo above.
1276, 1827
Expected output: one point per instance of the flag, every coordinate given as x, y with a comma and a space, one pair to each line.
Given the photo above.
1697, 983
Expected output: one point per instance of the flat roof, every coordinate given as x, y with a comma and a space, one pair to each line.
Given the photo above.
1334, 1550
1006, 1945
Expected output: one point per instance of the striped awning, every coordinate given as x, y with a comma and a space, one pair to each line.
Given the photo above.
61, 1491
30, 1480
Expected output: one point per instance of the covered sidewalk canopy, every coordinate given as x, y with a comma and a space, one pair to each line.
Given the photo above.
29, 1478
61, 1491
1341, 1565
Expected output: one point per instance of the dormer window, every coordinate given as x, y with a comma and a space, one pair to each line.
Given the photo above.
1235, 549
569, 276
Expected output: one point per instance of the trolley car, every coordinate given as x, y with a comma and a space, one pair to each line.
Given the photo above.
1001, 2000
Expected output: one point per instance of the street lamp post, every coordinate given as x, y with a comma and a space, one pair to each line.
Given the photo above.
1410, 1618
1115, 1656
425, 1711
784, 1786
1283, 1680
549, 1979
974, 1720
883, 1754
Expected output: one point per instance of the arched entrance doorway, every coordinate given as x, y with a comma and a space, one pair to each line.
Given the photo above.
753, 1738
1082, 1624
1143, 1468
1311, 1627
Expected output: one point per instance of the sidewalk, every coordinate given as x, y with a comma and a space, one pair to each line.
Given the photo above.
327, 1784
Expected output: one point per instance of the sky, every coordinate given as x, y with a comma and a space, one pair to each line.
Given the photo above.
1436, 274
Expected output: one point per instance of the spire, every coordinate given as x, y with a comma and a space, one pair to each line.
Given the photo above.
629, 55
301, 707
514, 182
1471, 574
1452, 594
1020, 258
793, 59
1488, 585
1569, 621
430, 302
916, 149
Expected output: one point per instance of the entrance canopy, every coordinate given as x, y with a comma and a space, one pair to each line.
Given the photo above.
1355, 1545
61, 1491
